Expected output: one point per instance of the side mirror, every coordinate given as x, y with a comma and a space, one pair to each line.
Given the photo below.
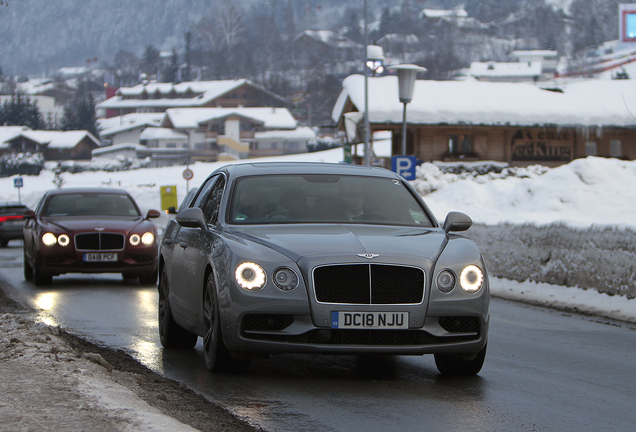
457, 221
171, 210
152, 214
28, 214
191, 218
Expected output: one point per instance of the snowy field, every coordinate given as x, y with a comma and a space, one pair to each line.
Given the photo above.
569, 226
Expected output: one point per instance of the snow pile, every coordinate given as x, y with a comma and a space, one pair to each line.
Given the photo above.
584, 193
43, 382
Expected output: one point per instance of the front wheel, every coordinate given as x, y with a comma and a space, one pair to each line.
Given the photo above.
171, 334
28, 270
39, 278
216, 355
460, 364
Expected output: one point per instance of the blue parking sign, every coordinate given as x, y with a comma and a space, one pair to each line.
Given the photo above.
404, 166
17, 182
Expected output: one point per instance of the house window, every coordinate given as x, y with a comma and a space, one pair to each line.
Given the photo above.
590, 148
200, 146
460, 144
171, 145
616, 148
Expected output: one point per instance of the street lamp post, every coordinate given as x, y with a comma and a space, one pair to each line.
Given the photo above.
406, 82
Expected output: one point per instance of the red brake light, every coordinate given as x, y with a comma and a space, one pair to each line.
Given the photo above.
7, 218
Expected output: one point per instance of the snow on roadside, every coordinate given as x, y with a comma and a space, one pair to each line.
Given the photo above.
71, 391
588, 302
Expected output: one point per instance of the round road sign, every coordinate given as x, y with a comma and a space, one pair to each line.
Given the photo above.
188, 174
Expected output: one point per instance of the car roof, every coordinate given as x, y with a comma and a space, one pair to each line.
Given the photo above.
65, 191
270, 168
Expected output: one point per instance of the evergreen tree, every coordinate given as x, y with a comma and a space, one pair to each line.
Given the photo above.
79, 114
150, 61
171, 72
21, 111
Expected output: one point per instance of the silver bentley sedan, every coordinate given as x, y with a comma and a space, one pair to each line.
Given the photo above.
320, 258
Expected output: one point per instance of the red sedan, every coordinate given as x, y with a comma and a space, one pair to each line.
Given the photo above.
89, 230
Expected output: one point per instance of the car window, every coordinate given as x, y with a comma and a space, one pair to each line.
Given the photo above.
5, 210
324, 199
209, 200
90, 204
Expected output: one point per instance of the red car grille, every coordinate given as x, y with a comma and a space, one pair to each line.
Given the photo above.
369, 284
99, 241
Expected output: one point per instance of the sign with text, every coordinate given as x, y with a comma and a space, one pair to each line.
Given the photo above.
404, 166
542, 145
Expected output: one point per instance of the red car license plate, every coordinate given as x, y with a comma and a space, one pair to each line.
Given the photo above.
100, 257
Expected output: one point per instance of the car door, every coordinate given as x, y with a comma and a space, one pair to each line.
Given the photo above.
189, 256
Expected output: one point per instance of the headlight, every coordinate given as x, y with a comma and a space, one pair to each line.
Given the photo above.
250, 276
135, 239
148, 238
445, 281
285, 279
63, 240
49, 239
471, 279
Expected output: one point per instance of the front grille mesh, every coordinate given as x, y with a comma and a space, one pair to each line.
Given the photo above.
460, 324
266, 322
99, 241
369, 284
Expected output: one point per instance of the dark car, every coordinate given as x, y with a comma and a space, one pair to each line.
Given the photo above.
320, 258
89, 230
11, 222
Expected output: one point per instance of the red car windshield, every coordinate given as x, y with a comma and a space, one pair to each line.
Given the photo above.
90, 204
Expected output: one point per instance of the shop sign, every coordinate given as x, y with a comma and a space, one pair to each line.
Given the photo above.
542, 145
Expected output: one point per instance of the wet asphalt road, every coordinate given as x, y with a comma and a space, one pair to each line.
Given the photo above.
545, 370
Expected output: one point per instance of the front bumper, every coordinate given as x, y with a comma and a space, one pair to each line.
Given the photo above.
138, 263
262, 333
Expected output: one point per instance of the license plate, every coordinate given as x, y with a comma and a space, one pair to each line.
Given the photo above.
369, 320
100, 257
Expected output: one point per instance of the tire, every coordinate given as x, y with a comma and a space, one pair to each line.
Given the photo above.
171, 334
148, 278
460, 364
4, 243
215, 353
39, 278
28, 270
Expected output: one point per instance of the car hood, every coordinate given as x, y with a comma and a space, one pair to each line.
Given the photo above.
298, 241
91, 223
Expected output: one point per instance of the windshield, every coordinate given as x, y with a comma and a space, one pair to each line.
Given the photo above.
90, 204
325, 199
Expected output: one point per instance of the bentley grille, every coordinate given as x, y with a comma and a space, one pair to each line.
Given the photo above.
369, 284
99, 241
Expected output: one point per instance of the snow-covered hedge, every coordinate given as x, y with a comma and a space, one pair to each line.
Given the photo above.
21, 164
601, 258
